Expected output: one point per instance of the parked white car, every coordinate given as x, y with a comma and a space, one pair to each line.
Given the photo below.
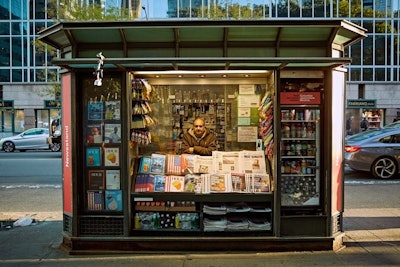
34, 138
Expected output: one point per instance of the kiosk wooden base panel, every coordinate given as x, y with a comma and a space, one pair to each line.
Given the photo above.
79, 246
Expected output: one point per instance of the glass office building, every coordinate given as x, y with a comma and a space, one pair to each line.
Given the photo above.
373, 76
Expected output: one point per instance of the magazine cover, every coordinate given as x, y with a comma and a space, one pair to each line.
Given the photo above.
113, 110
111, 156
144, 165
94, 134
218, 183
95, 200
193, 183
113, 200
238, 183
187, 163
113, 179
261, 183
95, 110
157, 163
159, 183
93, 157
96, 180
174, 164
174, 183
144, 183
112, 133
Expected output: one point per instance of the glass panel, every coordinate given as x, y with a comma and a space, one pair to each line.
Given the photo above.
380, 74
16, 51
4, 28
367, 74
356, 54
368, 51
380, 53
4, 6
355, 8
19, 122
42, 118
283, 9
17, 75
355, 74
319, 8
307, 9
5, 51
40, 9
294, 9
16, 9
4, 74
7, 124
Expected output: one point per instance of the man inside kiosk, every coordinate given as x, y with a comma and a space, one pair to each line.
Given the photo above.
199, 139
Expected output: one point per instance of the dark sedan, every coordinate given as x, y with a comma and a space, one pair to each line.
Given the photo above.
375, 151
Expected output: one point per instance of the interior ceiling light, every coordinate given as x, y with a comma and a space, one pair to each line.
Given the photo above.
183, 72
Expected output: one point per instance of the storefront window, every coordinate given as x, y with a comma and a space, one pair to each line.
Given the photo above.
19, 122
227, 112
6, 120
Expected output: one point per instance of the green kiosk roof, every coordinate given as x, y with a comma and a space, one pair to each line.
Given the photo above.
203, 44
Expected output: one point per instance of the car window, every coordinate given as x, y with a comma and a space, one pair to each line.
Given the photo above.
30, 132
364, 135
387, 139
396, 139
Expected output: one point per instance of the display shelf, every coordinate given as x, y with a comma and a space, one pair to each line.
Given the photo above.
299, 143
257, 217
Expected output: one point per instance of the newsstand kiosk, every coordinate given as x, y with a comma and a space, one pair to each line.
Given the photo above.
273, 93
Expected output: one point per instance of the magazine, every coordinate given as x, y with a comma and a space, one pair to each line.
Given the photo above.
93, 157
95, 110
111, 156
96, 179
193, 183
187, 163
261, 183
144, 165
94, 134
95, 200
144, 183
113, 200
112, 133
239, 183
113, 179
157, 164
174, 164
218, 183
174, 183
159, 183
113, 110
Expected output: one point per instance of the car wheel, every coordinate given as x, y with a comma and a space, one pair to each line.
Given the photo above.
55, 147
384, 168
8, 146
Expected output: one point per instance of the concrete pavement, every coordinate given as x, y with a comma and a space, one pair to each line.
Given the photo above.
372, 239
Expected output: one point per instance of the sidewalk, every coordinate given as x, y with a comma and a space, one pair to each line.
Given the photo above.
372, 239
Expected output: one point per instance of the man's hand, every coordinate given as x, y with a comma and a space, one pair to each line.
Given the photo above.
191, 150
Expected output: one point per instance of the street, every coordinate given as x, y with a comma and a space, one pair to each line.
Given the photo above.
30, 185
